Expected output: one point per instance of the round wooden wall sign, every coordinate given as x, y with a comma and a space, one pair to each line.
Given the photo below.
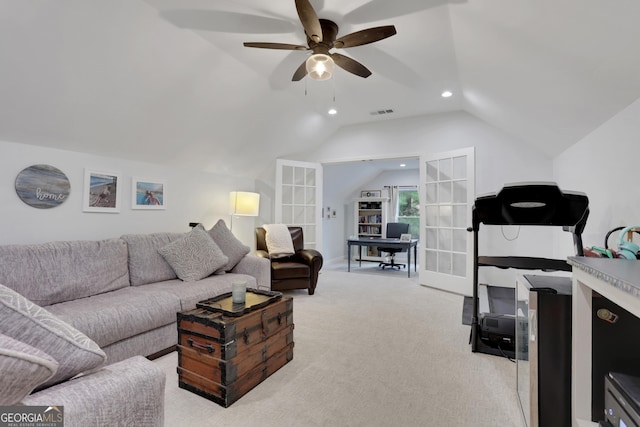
42, 186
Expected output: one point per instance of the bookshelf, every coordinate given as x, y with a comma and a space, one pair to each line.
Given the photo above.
370, 221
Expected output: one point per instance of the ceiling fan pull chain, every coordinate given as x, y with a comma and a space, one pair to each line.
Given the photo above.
334, 92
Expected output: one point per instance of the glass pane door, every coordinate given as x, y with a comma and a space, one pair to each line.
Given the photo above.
448, 191
298, 198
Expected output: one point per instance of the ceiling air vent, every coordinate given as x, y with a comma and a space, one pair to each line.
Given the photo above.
380, 112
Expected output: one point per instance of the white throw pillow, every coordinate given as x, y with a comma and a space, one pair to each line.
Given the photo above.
278, 240
31, 324
22, 368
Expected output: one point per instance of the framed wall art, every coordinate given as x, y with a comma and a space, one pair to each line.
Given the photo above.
42, 186
101, 191
148, 193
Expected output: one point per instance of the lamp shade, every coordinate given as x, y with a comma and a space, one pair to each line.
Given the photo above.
320, 66
243, 203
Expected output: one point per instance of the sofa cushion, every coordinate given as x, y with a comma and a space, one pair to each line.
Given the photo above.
146, 265
54, 272
193, 292
194, 256
233, 248
33, 325
118, 315
22, 368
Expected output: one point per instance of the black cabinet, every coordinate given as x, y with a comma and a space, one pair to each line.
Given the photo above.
543, 349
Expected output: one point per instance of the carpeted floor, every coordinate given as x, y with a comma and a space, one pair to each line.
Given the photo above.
372, 348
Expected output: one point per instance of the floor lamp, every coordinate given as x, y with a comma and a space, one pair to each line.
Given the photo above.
243, 203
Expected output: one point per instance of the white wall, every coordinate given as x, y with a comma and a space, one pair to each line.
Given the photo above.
500, 159
191, 197
604, 165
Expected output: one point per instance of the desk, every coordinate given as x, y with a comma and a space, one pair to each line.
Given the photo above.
387, 243
618, 281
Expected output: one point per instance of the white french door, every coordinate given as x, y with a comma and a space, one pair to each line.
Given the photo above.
299, 198
447, 194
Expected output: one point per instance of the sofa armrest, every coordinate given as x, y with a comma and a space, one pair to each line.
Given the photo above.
258, 267
127, 393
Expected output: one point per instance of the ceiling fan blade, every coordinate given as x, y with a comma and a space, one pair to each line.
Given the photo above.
367, 36
300, 72
282, 46
309, 20
228, 22
351, 65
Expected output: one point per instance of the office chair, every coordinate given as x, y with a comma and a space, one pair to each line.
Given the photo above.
394, 230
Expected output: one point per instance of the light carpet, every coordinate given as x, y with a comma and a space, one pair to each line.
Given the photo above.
372, 348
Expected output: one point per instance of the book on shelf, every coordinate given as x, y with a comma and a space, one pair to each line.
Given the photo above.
369, 229
370, 219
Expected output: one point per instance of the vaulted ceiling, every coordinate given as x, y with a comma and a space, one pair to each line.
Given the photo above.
170, 82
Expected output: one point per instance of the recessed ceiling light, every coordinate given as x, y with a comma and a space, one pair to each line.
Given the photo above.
446, 94
332, 111
402, 165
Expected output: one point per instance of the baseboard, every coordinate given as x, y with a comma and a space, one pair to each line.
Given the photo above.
336, 260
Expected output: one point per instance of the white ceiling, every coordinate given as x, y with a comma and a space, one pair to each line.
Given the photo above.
168, 81
382, 165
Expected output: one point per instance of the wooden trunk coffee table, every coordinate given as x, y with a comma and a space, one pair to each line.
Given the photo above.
226, 349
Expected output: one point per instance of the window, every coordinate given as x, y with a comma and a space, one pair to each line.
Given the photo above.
409, 210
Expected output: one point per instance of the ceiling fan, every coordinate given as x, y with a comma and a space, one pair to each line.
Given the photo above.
321, 38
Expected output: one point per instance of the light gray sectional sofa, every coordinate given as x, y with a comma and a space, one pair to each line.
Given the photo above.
123, 295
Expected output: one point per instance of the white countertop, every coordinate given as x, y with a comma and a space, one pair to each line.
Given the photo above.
623, 274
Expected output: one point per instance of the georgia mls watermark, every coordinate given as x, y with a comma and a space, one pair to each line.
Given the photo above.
31, 416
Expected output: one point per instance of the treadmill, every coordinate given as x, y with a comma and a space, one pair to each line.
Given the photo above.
527, 203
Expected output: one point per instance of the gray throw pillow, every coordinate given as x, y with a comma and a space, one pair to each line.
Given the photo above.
22, 368
146, 265
194, 256
233, 248
27, 322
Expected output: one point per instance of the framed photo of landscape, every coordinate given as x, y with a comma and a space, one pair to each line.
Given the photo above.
101, 191
148, 193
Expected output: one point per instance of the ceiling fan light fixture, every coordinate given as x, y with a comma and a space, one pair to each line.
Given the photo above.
320, 66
